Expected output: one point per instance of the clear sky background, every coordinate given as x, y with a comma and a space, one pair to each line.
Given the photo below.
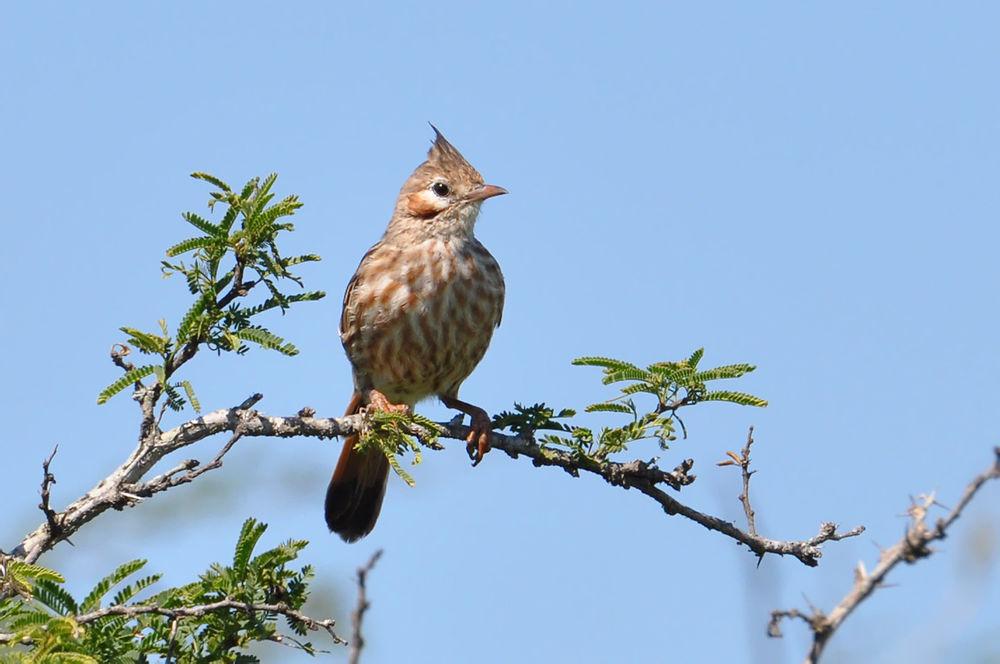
810, 189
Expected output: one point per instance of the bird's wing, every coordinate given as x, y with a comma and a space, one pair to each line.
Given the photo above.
352, 286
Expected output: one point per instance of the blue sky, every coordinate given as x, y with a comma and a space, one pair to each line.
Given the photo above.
808, 188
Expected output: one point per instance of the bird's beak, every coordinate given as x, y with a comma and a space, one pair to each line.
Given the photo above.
485, 191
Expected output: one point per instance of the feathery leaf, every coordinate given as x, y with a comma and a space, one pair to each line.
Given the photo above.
266, 339
93, 599
202, 224
250, 534
192, 399
190, 245
610, 407
123, 382
606, 362
212, 179
740, 398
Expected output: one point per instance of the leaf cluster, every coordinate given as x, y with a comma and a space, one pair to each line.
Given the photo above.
668, 387
390, 433
43, 616
223, 263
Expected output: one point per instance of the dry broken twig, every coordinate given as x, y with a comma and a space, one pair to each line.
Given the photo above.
914, 546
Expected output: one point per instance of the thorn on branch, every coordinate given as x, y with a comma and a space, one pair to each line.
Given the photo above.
250, 401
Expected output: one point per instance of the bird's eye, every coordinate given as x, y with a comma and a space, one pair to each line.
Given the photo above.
441, 189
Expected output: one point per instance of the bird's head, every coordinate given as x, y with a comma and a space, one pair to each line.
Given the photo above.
443, 195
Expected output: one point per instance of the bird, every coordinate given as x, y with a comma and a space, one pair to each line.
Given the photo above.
418, 316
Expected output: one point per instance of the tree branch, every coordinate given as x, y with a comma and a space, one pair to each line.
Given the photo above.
132, 611
124, 487
913, 546
357, 640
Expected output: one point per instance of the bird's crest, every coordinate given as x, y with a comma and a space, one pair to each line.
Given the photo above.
446, 157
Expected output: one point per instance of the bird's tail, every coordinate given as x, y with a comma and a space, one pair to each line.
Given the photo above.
354, 497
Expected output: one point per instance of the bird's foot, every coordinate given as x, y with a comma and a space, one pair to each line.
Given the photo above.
479, 440
477, 443
378, 401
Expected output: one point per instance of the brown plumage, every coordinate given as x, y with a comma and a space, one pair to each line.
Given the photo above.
418, 316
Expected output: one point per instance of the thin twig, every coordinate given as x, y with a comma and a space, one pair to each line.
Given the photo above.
743, 461
745, 496
48, 479
914, 546
172, 639
357, 617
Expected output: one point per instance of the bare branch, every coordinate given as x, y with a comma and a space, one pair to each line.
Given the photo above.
914, 546
645, 476
357, 640
124, 487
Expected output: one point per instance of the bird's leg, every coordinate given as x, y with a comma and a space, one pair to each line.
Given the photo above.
478, 441
378, 401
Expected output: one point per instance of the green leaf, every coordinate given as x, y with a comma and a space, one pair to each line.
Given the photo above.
250, 534
55, 597
677, 372
695, 358
273, 302
212, 179
70, 658
636, 388
93, 599
227, 220
248, 188
188, 326
740, 398
22, 571
399, 470
146, 342
126, 380
606, 362
610, 407
296, 260
627, 374
266, 339
727, 371
191, 244
189, 391
28, 619
128, 592
261, 223
202, 224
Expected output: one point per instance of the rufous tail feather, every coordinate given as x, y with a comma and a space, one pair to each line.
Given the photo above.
354, 496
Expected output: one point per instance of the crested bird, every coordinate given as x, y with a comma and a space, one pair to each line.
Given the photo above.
417, 318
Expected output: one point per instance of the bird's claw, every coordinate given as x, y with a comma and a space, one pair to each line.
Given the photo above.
378, 401
478, 440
